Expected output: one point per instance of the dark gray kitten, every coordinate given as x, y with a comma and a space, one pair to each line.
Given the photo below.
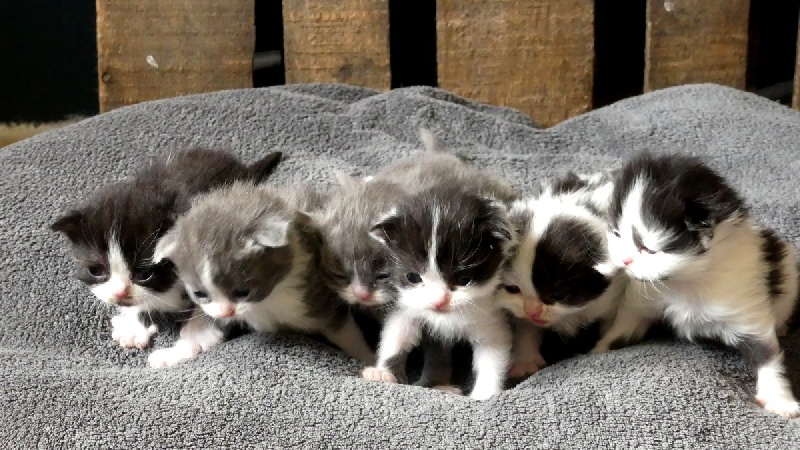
113, 234
244, 255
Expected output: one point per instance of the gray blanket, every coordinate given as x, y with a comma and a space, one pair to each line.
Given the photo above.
64, 383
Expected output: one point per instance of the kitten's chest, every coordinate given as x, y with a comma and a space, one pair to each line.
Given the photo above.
284, 307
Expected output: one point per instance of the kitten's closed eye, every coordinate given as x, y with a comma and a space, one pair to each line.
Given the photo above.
615, 232
644, 249
558, 296
382, 276
143, 275
512, 289
200, 295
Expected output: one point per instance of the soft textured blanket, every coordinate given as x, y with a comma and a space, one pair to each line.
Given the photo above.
64, 383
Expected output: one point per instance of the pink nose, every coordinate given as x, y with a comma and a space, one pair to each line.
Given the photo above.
534, 310
226, 311
627, 261
442, 303
124, 293
362, 293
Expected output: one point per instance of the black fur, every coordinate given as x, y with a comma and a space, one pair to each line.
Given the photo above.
563, 269
682, 195
773, 252
569, 182
139, 210
470, 236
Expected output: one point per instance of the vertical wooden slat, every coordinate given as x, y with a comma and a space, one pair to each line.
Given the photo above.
796, 97
692, 41
343, 41
535, 55
149, 49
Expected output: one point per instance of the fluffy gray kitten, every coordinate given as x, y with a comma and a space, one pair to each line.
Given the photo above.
245, 257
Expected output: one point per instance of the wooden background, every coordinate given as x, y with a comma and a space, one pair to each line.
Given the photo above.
537, 56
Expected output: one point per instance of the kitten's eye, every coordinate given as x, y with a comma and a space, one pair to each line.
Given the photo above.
558, 296
381, 276
143, 275
615, 233
200, 294
97, 270
241, 293
647, 250
414, 277
463, 280
512, 289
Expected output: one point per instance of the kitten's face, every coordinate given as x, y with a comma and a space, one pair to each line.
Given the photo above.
447, 248
559, 265
112, 241
229, 252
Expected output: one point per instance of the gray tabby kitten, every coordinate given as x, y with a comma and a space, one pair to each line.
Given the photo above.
245, 258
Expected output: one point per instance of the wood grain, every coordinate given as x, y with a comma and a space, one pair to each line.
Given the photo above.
536, 56
796, 96
344, 41
693, 41
150, 49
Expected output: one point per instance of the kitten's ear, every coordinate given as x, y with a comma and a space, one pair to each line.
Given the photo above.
308, 229
271, 233
165, 247
69, 224
496, 222
387, 229
698, 220
431, 142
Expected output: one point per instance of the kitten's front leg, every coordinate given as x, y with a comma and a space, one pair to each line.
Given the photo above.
128, 329
350, 339
491, 343
633, 319
527, 358
399, 335
200, 334
437, 366
773, 391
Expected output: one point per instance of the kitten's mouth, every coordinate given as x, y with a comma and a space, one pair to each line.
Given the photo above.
124, 302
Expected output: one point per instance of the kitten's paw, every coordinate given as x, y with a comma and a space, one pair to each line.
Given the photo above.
524, 367
378, 374
130, 333
483, 393
599, 348
782, 407
170, 356
449, 388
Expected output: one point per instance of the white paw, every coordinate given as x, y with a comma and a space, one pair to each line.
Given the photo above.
782, 407
130, 333
170, 356
482, 393
522, 367
378, 374
449, 388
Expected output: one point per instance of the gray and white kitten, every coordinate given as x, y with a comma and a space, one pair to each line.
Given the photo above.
699, 261
244, 256
113, 234
559, 275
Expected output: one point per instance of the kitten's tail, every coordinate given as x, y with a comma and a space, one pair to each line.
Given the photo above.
263, 168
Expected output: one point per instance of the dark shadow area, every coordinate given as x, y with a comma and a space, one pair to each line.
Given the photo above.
772, 48
49, 60
412, 42
619, 34
269, 44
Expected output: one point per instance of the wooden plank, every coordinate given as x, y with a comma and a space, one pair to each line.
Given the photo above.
536, 56
344, 41
694, 41
150, 49
796, 97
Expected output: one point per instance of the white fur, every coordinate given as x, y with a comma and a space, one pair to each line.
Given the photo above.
197, 336
129, 331
119, 275
718, 294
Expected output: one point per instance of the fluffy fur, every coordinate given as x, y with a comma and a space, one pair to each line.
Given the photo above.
700, 262
244, 256
114, 232
447, 245
559, 275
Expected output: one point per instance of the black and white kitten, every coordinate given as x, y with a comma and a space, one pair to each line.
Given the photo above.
699, 261
114, 232
243, 254
448, 246
559, 275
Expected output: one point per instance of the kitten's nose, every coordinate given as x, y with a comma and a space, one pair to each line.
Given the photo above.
362, 293
226, 311
534, 312
627, 261
442, 303
124, 293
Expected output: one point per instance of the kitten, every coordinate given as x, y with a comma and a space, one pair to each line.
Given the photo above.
244, 256
447, 245
114, 232
699, 261
559, 275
